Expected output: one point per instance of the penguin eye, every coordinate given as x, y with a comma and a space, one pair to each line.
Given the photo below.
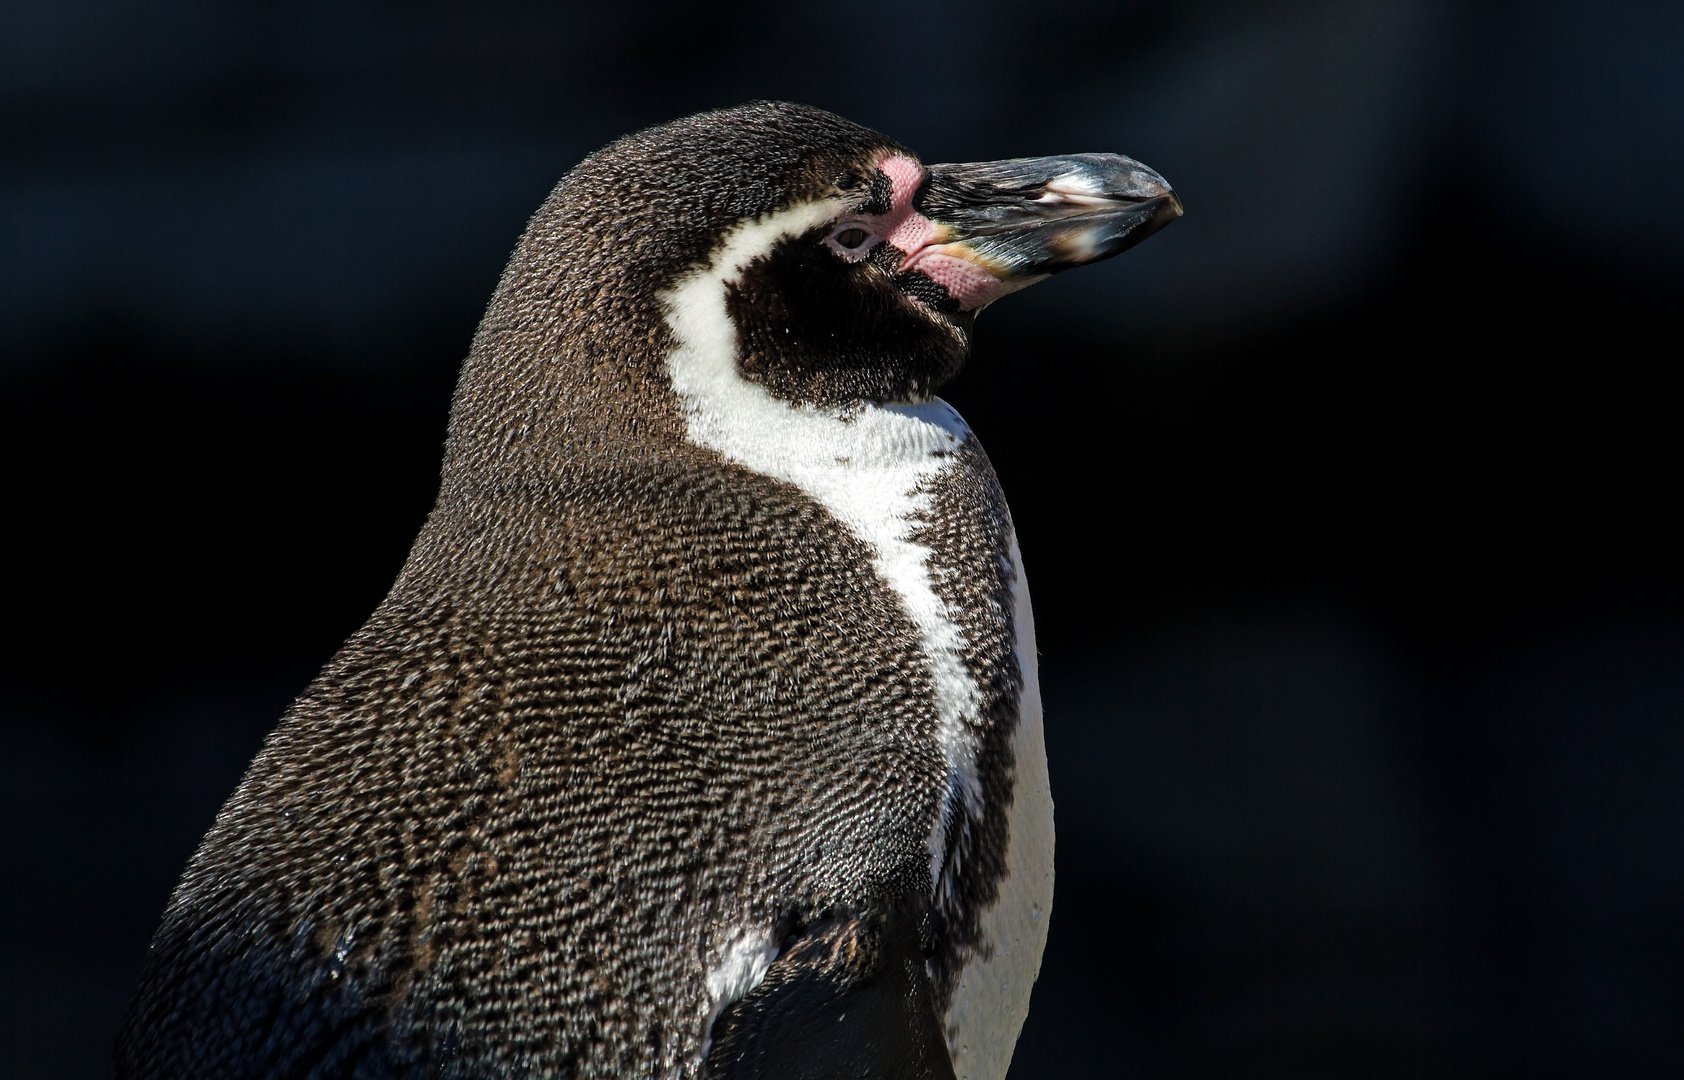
851, 240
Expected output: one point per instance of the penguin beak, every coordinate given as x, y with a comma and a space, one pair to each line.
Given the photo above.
1002, 225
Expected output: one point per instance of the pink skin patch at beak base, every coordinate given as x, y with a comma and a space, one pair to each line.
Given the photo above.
918, 239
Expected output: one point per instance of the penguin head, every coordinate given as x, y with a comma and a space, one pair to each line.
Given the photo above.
826, 262
868, 287
859, 275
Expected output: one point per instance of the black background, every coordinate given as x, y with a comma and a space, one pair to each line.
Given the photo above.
1348, 501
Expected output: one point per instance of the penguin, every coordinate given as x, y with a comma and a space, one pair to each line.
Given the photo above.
699, 736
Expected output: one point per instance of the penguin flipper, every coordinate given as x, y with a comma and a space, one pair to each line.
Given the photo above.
849, 999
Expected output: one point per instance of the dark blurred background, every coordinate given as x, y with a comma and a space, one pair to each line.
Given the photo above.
1349, 501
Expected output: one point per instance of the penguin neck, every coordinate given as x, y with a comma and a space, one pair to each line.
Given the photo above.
849, 457
741, 418
563, 393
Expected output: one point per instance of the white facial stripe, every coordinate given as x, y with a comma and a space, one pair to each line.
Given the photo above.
863, 465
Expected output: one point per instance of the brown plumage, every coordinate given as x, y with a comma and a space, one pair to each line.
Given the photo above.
626, 696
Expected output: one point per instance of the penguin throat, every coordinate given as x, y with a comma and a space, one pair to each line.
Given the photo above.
817, 329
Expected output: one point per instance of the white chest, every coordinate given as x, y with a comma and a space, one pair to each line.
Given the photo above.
992, 998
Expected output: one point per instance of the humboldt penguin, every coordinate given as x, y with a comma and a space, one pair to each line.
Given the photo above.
699, 735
